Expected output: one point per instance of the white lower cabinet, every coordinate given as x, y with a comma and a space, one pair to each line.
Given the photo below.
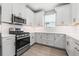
60, 41
32, 38
38, 37
8, 46
69, 47
72, 46
45, 38
51, 39
75, 47
76, 51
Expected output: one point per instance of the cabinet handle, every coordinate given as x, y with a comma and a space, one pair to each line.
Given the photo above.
54, 38
76, 43
67, 43
31, 36
77, 49
14, 44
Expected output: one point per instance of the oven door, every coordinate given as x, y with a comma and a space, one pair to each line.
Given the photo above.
22, 42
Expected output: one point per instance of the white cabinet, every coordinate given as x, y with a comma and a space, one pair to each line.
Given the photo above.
39, 19
75, 12
75, 47
18, 9
51, 39
72, 46
30, 17
69, 46
22, 11
64, 15
60, 41
38, 37
32, 38
8, 46
45, 38
6, 12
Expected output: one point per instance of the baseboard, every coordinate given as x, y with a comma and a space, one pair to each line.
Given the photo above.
33, 44
49, 46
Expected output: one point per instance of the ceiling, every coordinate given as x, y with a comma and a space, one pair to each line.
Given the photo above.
35, 7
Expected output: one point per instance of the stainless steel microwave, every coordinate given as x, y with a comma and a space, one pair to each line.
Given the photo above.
18, 20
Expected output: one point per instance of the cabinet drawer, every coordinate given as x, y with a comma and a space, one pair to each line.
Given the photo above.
75, 46
76, 51
59, 36
75, 43
12, 38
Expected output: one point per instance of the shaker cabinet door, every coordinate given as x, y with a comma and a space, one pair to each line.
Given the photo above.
60, 41
8, 46
32, 38
63, 15
6, 12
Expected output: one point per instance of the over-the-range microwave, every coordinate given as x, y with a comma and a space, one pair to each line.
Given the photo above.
18, 20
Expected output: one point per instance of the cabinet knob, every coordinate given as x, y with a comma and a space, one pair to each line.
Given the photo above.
67, 43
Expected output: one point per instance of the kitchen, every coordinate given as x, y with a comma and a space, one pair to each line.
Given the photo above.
29, 26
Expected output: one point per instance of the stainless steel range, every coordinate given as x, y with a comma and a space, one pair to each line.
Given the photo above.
22, 41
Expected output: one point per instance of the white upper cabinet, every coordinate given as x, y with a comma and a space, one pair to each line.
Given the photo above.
6, 12
75, 12
9, 9
29, 15
18, 9
22, 11
64, 15
39, 18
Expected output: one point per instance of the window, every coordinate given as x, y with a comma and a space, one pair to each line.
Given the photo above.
50, 20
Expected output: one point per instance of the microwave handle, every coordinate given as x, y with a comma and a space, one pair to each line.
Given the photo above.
25, 21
